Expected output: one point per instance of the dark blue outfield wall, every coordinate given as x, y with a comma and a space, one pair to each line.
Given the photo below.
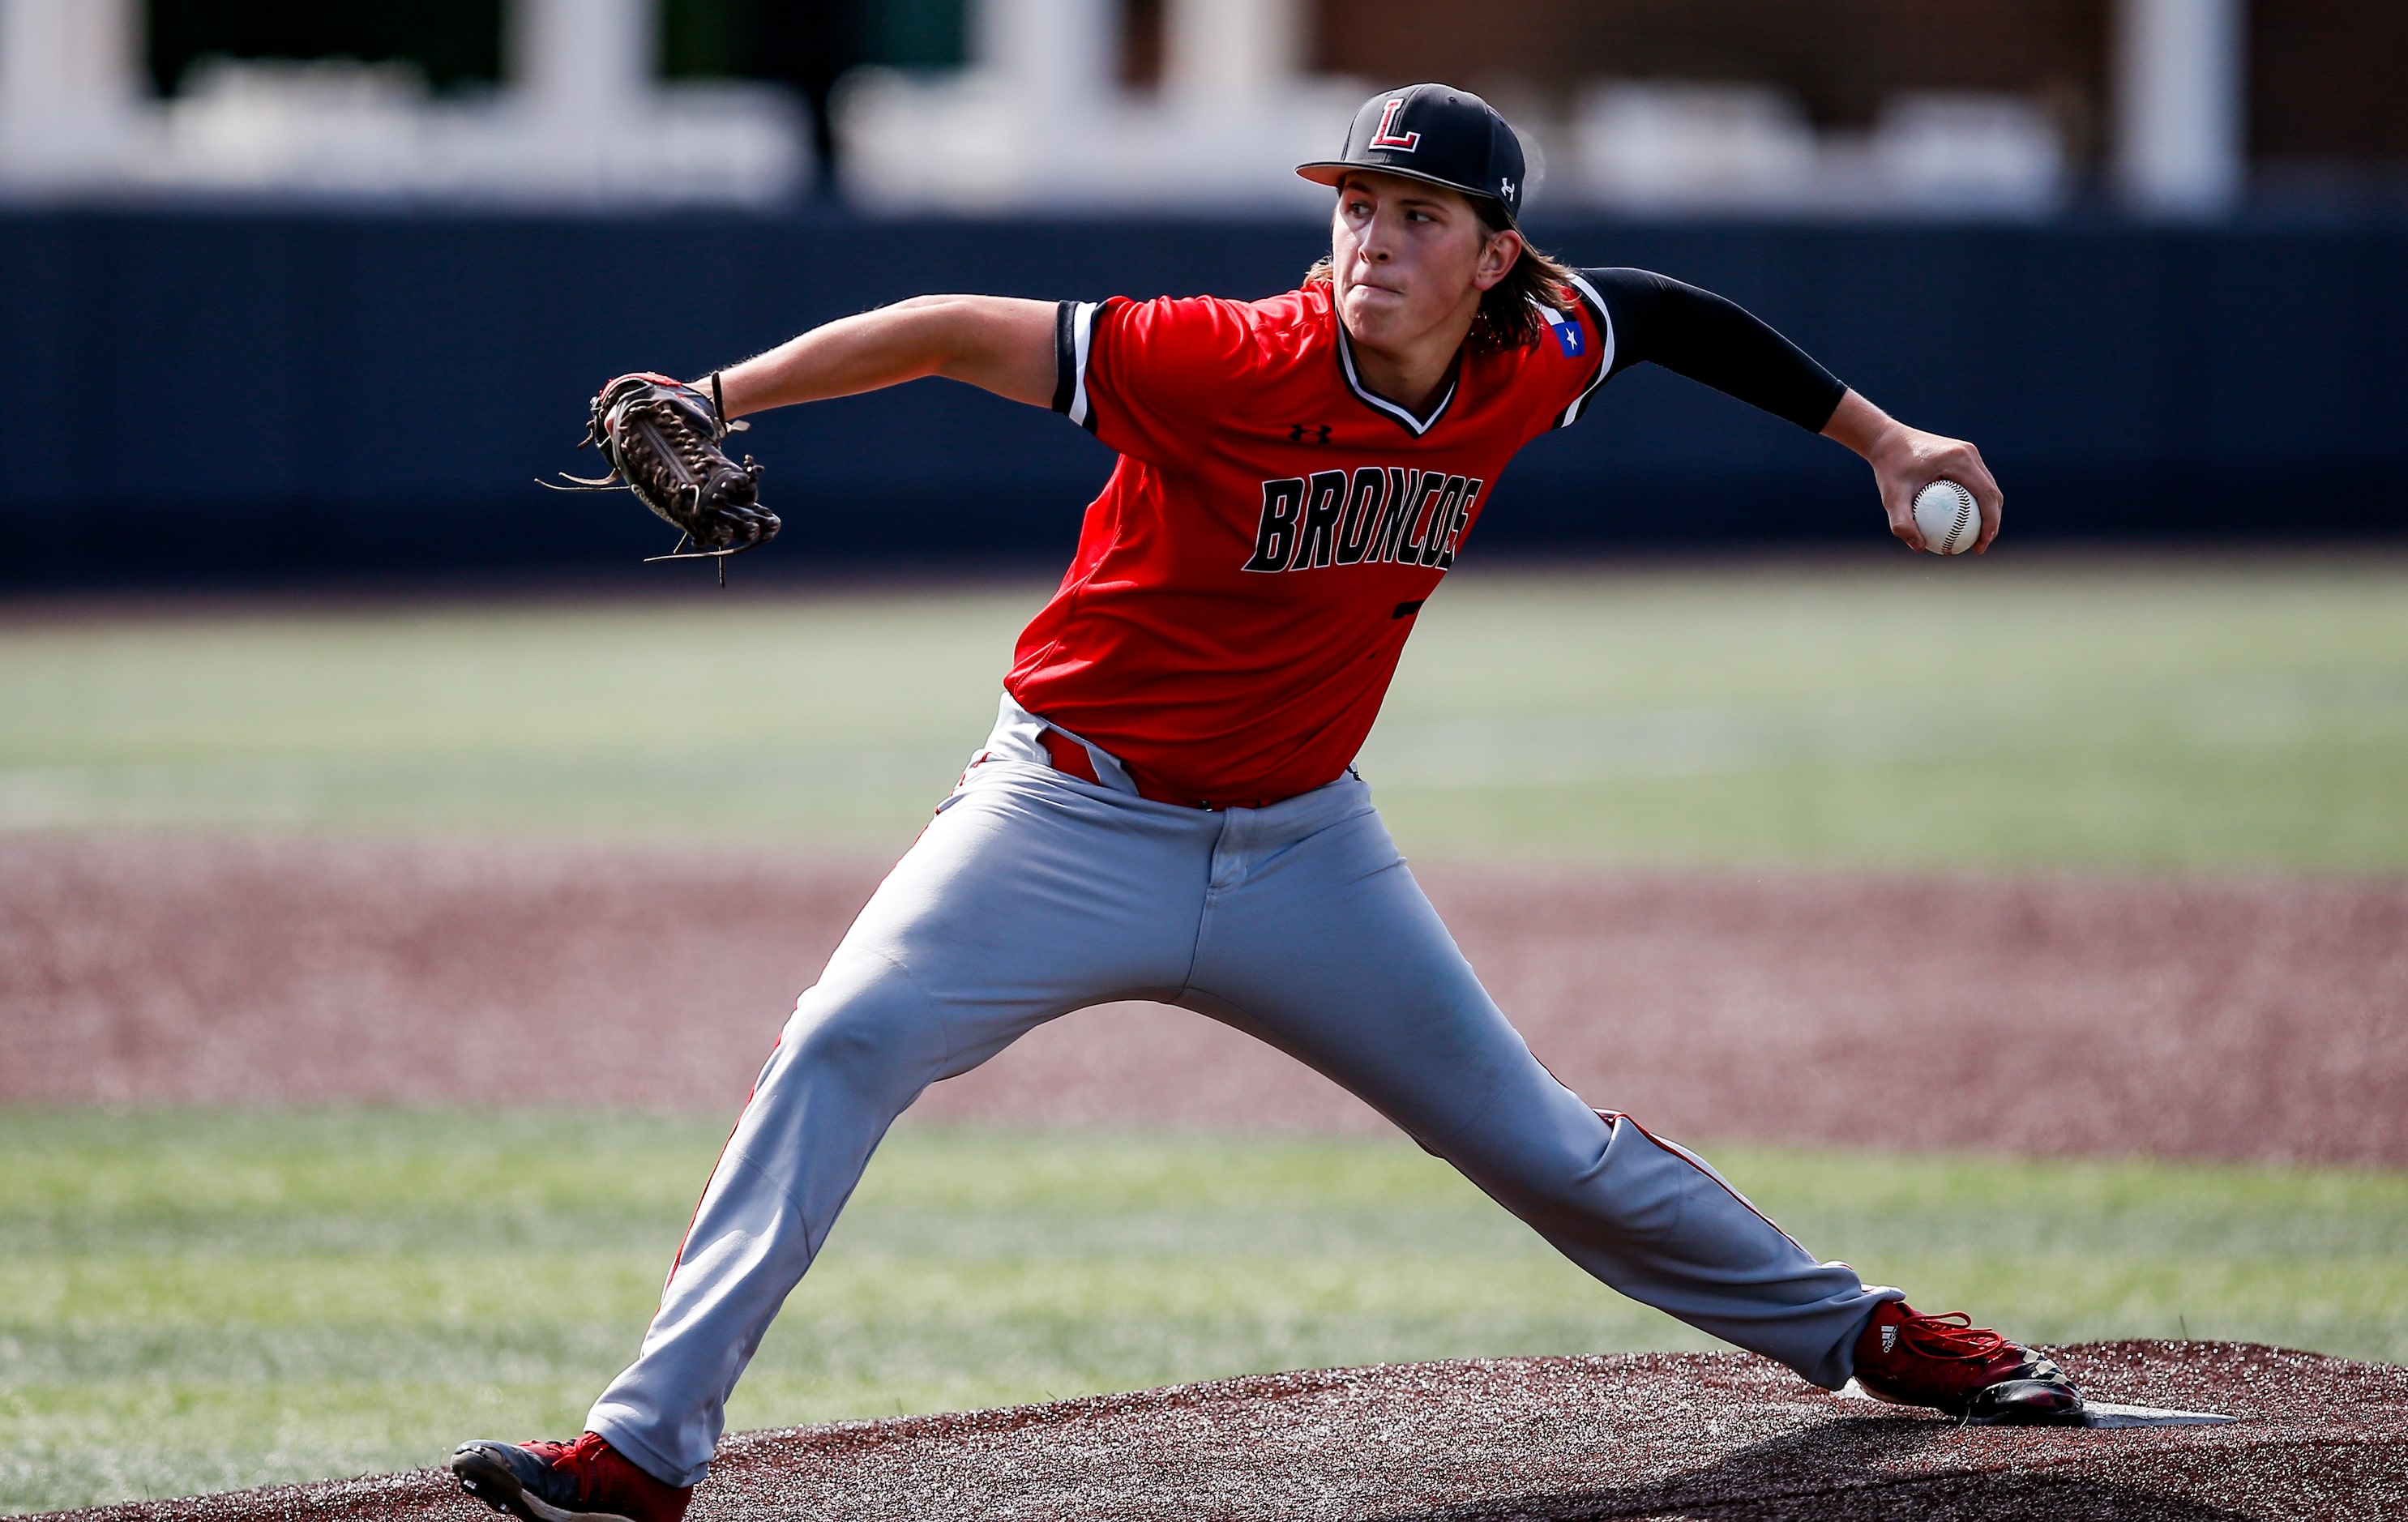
201, 394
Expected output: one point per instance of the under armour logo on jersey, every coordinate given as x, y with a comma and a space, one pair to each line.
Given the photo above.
1318, 432
1388, 136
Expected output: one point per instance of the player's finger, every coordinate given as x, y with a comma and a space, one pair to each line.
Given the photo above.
1987, 497
1900, 505
1993, 508
1975, 474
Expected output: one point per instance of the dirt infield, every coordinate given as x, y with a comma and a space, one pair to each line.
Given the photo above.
1720, 1436
2035, 1015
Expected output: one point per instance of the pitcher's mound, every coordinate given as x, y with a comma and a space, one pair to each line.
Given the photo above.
1722, 1436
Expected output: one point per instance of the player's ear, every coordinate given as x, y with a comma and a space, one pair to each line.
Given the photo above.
1498, 256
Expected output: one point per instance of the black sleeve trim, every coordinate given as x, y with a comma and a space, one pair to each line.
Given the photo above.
1717, 342
1074, 331
1064, 373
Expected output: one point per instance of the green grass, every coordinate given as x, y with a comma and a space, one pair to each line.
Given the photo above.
2103, 713
202, 1300
194, 1302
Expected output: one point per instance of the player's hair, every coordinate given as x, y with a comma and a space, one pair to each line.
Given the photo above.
1508, 310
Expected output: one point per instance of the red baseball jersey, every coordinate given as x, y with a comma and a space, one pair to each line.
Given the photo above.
1245, 583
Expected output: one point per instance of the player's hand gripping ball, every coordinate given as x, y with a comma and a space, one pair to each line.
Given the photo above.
662, 440
1948, 517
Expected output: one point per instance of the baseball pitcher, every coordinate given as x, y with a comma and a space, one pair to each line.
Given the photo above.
1167, 808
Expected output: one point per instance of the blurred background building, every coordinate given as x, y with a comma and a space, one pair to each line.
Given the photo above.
2151, 255
1984, 107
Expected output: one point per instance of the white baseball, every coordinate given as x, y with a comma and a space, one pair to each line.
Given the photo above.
1949, 518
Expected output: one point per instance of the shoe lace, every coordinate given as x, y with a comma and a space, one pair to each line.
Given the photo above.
586, 1447
1950, 1334
582, 1458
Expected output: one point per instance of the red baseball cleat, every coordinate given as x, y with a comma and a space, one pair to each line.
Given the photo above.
1968, 1372
584, 1481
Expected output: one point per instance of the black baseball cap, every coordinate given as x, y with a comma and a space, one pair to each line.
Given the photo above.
1434, 133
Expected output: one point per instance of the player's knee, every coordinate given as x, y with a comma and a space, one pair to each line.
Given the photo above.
874, 1030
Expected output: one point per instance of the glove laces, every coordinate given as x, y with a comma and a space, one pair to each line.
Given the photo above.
660, 438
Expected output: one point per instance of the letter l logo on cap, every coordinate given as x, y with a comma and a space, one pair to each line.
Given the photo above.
1386, 138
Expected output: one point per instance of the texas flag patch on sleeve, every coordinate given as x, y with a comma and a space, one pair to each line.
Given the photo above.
1568, 333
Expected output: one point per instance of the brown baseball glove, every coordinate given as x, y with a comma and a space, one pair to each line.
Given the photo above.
661, 439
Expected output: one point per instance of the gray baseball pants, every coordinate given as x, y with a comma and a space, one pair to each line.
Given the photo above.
1033, 894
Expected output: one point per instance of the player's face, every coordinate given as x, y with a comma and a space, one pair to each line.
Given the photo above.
1410, 260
